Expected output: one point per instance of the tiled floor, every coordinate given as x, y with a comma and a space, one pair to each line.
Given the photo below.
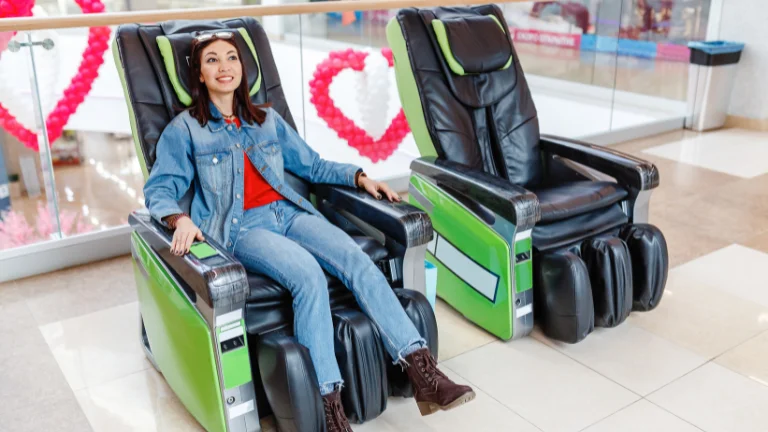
70, 358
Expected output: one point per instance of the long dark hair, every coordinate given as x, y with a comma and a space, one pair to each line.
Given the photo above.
243, 107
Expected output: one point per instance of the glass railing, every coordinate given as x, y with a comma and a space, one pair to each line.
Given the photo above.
594, 67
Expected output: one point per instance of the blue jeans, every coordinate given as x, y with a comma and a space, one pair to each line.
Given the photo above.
293, 247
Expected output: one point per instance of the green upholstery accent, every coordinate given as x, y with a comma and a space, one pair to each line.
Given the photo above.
407, 90
166, 50
170, 66
131, 114
445, 47
180, 338
244, 33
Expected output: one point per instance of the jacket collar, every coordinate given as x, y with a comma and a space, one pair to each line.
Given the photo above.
217, 123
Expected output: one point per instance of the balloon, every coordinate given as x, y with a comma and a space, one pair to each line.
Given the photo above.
80, 85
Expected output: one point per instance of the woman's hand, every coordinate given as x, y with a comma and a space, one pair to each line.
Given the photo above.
185, 234
376, 188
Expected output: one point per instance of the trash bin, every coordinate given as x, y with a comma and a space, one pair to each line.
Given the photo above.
711, 75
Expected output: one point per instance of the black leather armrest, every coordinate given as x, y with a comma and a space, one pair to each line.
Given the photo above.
514, 203
219, 279
402, 222
629, 171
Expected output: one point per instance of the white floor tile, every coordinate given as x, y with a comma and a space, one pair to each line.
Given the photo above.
702, 318
547, 388
736, 152
642, 416
631, 356
141, 402
99, 347
484, 414
735, 269
716, 399
749, 359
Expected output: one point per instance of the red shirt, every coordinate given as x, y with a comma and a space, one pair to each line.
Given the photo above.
256, 191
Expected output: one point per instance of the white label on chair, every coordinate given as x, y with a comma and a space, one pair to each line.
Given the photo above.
523, 311
472, 273
228, 317
238, 410
231, 334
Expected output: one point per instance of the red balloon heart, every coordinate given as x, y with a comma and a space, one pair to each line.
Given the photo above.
356, 137
93, 57
13, 8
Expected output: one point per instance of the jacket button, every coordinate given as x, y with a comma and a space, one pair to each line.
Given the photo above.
239, 170
238, 196
229, 244
237, 145
215, 160
234, 220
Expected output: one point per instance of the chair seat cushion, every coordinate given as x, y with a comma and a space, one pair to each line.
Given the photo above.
577, 228
566, 200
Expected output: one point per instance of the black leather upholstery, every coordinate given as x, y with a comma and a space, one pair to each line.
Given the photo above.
572, 199
284, 379
362, 361
486, 121
592, 264
290, 381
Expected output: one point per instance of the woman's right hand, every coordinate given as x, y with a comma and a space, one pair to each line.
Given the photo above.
185, 234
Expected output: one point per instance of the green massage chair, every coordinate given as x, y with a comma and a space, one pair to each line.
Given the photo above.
222, 337
528, 228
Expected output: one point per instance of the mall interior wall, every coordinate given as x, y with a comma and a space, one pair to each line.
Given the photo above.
746, 21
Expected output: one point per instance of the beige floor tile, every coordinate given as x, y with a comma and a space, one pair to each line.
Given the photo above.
80, 290
10, 293
97, 348
735, 269
749, 359
716, 399
547, 388
642, 416
484, 414
633, 357
458, 334
701, 318
685, 242
34, 395
14, 315
141, 402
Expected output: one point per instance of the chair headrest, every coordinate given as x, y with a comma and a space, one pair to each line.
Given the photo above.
176, 49
473, 44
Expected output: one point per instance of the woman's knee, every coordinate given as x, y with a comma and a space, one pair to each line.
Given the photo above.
307, 278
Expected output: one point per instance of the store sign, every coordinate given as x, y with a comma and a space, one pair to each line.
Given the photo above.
564, 40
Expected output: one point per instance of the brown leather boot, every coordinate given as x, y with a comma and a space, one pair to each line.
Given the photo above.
433, 390
335, 419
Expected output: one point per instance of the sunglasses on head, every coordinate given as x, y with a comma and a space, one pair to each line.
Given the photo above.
220, 35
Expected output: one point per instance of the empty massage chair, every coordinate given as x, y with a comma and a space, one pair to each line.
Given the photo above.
222, 337
528, 228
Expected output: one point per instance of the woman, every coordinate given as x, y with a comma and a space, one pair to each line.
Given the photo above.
236, 153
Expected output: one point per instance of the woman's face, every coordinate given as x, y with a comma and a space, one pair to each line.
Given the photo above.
220, 68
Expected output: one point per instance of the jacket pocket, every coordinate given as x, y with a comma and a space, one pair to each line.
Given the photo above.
215, 171
270, 147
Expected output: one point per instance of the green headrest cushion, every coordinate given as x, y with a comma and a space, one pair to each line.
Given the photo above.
176, 49
474, 44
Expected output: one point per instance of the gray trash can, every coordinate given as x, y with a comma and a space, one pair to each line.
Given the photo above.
711, 75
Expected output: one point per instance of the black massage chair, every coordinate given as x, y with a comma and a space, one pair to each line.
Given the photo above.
222, 337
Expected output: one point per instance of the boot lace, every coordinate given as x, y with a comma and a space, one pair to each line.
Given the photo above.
336, 420
427, 367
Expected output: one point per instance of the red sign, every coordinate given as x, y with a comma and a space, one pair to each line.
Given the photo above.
565, 40
672, 52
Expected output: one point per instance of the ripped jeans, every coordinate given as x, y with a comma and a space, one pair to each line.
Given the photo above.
293, 247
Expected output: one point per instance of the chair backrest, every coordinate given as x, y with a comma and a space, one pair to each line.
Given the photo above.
144, 55
464, 92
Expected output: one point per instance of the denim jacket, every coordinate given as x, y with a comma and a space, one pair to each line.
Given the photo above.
211, 159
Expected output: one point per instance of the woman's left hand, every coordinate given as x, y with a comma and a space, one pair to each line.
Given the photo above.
377, 188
